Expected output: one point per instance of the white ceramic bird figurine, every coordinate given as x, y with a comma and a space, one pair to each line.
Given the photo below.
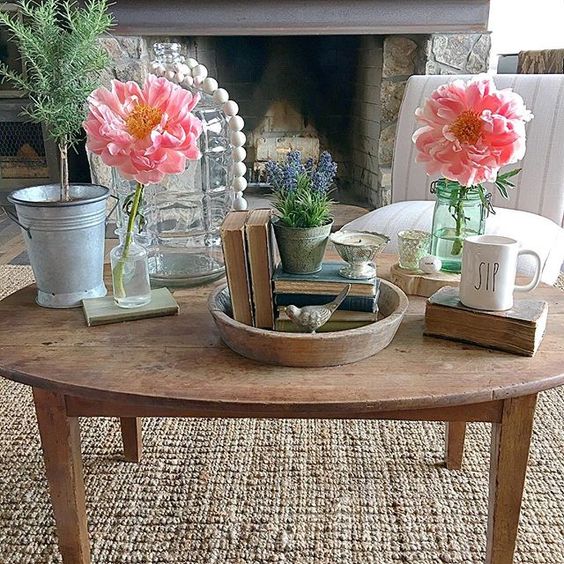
311, 318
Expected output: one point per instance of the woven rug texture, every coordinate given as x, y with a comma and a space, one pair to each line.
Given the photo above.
275, 491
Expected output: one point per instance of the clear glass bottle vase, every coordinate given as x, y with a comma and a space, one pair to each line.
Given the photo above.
183, 214
458, 213
130, 273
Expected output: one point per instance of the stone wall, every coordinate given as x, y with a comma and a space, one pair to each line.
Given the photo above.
366, 118
458, 53
384, 66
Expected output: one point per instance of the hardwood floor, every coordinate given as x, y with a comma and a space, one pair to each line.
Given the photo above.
12, 246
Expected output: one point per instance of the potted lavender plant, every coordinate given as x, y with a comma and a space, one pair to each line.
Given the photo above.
302, 200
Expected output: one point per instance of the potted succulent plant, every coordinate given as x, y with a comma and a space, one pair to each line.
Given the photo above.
303, 203
63, 224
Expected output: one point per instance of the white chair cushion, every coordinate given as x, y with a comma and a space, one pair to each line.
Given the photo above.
532, 231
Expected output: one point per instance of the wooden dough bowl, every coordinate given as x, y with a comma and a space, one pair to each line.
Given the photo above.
303, 349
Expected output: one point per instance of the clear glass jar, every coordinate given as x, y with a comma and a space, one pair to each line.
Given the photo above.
130, 273
458, 214
183, 213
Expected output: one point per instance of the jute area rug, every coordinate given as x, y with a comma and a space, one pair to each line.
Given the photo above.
287, 492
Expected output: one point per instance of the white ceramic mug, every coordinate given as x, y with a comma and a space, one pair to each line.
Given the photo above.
489, 267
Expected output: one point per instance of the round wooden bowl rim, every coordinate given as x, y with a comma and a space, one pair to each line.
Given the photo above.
220, 315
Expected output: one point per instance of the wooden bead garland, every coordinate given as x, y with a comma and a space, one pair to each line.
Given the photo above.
191, 74
239, 183
220, 96
210, 85
239, 154
238, 169
236, 123
200, 71
237, 138
240, 204
231, 108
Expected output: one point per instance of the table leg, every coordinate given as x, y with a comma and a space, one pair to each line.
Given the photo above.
508, 465
132, 438
455, 433
60, 438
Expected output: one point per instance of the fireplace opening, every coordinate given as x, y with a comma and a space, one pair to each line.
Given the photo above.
316, 93
294, 93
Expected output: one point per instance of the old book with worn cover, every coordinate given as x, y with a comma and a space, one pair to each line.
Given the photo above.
519, 330
288, 326
325, 282
260, 257
101, 311
235, 256
339, 315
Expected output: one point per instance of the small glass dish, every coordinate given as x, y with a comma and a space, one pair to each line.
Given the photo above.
413, 246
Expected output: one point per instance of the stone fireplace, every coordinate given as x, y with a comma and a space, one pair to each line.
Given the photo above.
331, 80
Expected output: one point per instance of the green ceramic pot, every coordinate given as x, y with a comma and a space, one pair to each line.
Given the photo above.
301, 248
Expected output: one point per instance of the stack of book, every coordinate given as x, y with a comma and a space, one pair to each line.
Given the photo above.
260, 291
359, 308
248, 252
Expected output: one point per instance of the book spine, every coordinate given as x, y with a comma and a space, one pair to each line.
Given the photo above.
339, 315
236, 270
350, 303
355, 291
290, 327
260, 266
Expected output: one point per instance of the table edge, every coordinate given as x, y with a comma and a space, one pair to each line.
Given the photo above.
322, 409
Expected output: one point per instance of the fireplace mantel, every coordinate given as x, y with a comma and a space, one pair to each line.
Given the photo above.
298, 17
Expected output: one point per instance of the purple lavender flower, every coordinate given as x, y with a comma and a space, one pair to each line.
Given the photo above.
285, 176
326, 165
294, 158
290, 178
322, 178
275, 175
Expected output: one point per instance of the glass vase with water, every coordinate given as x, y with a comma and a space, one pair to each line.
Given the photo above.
130, 273
459, 212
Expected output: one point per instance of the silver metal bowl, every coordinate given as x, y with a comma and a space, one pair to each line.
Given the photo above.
358, 249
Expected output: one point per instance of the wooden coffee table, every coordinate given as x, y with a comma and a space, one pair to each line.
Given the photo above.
177, 367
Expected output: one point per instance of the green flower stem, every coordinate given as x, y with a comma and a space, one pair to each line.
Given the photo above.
119, 287
460, 221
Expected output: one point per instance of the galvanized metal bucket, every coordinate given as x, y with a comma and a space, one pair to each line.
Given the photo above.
65, 241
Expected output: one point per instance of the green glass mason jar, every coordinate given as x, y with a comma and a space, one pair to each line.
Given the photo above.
459, 212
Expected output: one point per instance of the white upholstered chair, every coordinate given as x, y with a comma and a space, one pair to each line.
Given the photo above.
534, 214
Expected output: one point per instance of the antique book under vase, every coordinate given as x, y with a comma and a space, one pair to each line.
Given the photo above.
102, 311
519, 330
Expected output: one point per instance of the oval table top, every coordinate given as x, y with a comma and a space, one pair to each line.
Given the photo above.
180, 361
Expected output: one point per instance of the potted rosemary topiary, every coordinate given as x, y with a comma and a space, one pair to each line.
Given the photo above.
63, 224
303, 203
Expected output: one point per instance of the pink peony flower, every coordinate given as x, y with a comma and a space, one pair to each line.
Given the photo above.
470, 130
144, 133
